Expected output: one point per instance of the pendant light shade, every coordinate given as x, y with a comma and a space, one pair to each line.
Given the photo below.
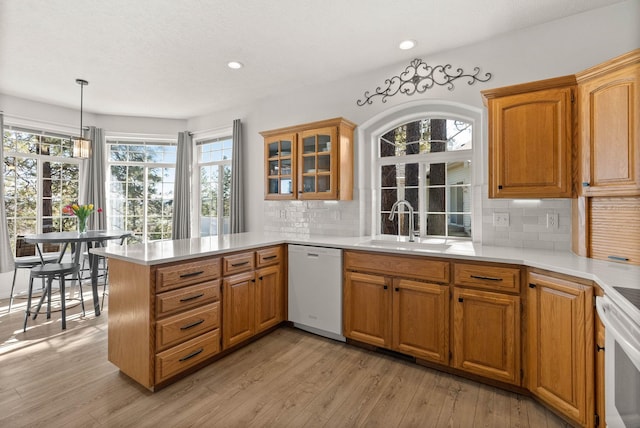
81, 145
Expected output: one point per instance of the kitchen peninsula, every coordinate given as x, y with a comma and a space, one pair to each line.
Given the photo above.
175, 306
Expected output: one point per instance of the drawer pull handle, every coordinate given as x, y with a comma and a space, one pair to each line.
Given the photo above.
619, 258
191, 325
488, 278
239, 264
187, 275
197, 296
269, 257
191, 355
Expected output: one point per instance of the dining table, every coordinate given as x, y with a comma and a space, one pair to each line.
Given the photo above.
89, 238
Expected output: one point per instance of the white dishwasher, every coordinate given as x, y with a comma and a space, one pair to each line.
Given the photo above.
315, 290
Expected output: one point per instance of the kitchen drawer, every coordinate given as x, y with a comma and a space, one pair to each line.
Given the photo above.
186, 325
401, 266
175, 276
237, 263
268, 256
487, 277
187, 297
179, 358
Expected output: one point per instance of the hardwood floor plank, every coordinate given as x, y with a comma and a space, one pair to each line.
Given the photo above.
289, 378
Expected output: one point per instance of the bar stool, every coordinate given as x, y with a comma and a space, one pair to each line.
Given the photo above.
50, 272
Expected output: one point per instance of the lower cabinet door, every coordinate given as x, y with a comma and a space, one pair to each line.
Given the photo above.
486, 334
179, 358
421, 319
560, 351
367, 308
238, 314
268, 297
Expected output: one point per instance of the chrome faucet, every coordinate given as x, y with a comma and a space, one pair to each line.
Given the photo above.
394, 209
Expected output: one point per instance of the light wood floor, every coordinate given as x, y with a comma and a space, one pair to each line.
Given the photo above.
289, 378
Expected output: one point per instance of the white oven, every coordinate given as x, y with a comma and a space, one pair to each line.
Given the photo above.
622, 364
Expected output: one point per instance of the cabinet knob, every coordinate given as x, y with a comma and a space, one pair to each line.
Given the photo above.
500, 187
385, 287
585, 184
397, 289
531, 285
599, 348
460, 299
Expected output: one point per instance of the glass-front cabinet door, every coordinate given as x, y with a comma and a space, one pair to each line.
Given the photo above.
280, 155
317, 162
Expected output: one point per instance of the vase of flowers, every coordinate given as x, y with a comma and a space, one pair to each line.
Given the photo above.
82, 212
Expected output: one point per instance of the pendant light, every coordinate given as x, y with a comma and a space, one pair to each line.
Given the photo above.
81, 145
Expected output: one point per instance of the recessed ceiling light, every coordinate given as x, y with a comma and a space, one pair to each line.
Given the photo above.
234, 64
407, 44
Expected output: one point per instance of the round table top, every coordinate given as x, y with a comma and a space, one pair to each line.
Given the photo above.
89, 235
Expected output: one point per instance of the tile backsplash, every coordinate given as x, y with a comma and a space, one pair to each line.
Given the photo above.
339, 218
527, 226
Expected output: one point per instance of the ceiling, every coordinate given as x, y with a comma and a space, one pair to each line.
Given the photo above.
167, 58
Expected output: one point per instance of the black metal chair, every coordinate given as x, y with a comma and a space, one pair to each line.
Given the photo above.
26, 258
50, 272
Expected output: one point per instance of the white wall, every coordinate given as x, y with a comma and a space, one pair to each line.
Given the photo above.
554, 49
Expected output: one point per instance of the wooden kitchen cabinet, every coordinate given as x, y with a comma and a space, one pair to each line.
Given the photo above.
367, 308
560, 357
421, 319
609, 118
252, 294
408, 315
239, 308
280, 166
486, 336
530, 139
163, 320
166, 320
310, 161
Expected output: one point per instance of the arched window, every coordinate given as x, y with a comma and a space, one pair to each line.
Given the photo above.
425, 155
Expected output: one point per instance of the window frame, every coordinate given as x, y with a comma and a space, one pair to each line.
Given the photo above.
370, 132
226, 135
40, 159
136, 141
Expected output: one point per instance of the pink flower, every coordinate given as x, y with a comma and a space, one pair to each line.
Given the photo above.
99, 210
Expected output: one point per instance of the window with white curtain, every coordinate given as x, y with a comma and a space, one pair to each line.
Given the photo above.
40, 178
426, 162
141, 176
213, 188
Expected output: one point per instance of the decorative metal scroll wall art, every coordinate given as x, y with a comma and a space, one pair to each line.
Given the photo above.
418, 77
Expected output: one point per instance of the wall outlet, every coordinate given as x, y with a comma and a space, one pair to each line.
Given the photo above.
553, 220
501, 219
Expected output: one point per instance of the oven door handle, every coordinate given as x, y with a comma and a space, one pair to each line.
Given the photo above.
620, 327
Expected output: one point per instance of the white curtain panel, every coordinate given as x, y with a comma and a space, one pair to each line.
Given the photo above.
237, 189
181, 227
6, 256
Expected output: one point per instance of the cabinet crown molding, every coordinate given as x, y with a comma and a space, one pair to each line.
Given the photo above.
555, 82
606, 67
306, 126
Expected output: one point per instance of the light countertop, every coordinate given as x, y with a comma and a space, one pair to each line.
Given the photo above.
606, 274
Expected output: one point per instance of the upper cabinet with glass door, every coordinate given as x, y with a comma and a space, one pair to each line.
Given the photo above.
310, 161
280, 152
317, 160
